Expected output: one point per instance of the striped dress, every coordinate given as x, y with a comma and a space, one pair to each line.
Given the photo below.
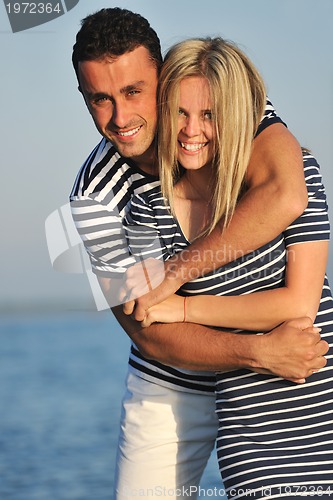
275, 437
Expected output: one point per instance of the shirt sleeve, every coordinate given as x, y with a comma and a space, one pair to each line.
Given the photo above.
102, 232
270, 117
313, 224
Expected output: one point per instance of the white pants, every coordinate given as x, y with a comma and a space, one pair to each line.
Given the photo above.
166, 438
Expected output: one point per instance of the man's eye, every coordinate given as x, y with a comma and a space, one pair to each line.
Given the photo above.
100, 100
133, 92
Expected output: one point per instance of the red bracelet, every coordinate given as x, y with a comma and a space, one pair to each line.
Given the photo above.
184, 309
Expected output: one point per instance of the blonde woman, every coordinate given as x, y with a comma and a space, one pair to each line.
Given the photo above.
275, 437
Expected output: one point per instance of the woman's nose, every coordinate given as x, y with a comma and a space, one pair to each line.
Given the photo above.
192, 126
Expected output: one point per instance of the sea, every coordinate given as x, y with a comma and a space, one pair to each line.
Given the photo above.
61, 382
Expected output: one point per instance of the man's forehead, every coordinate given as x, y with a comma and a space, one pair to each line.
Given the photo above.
139, 55
129, 67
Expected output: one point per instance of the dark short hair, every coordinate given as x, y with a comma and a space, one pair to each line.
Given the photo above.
113, 32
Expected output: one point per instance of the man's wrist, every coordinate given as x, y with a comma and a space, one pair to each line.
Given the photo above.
254, 347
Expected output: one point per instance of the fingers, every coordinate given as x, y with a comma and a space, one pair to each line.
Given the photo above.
312, 329
128, 307
131, 308
297, 380
146, 322
301, 323
130, 290
316, 359
139, 313
296, 350
323, 347
322, 362
315, 331
141, 279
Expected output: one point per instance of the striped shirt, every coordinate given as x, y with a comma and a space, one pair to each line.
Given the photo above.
100, 198
275, 438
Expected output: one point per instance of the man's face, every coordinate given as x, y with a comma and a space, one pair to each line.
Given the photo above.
121, 97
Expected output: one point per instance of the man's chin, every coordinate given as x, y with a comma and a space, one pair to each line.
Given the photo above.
128, 151
134, 151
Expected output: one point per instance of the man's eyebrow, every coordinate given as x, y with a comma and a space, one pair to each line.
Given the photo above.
132, 86
96, 95
99, 95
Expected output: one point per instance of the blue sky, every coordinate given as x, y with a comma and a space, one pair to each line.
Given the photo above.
46, 132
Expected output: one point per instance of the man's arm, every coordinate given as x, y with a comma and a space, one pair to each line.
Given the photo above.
293, 350
276, 196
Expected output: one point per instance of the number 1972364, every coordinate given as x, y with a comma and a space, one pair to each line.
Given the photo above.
33, 8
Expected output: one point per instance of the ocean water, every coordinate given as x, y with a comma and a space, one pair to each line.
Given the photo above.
61, 382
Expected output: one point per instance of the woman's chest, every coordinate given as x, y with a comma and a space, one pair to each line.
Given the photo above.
193, 216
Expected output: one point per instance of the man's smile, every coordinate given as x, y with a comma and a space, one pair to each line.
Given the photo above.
129, 133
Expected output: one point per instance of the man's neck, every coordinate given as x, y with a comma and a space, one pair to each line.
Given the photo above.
147, 162
150, 168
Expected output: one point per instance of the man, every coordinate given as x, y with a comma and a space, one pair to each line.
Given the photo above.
168, 426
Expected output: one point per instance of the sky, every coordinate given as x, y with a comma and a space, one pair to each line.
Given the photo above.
46, 131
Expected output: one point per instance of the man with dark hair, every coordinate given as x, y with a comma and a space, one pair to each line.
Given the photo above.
168, 426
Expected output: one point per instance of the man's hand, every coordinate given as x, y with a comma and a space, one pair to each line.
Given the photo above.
293, 351
147, 283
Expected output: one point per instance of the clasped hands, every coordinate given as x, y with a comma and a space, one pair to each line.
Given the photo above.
148, 282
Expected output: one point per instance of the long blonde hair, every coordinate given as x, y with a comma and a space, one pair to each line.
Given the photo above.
238, 98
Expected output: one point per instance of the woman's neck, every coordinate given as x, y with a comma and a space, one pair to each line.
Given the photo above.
192, 202
196, 185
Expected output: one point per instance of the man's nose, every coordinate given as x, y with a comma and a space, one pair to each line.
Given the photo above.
121, 114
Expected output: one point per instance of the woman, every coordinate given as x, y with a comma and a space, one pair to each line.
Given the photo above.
275, 437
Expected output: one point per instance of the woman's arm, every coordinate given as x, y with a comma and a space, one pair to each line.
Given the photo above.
307, 248
264, 310
260, 311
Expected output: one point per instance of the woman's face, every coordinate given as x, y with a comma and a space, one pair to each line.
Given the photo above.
195, 124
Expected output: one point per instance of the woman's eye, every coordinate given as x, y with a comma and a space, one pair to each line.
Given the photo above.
208, 115
181, 112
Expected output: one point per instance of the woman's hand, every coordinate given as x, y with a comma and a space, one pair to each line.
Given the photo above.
170, 310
